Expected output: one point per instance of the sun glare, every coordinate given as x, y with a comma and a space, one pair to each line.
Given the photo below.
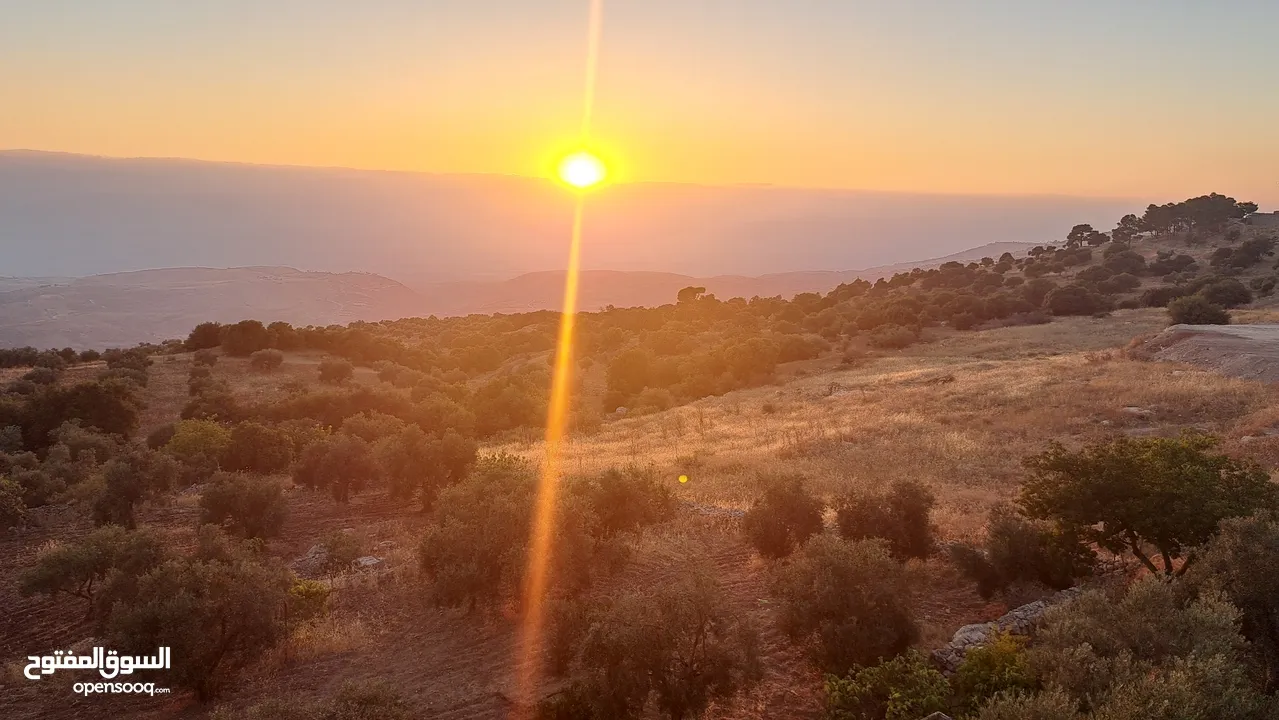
582, 170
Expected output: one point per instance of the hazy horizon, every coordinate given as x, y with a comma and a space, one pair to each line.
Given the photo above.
75, 215
34, 152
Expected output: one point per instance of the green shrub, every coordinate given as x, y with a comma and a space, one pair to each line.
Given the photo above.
1096, 643
257, 448
1019, 549
372, 426
1049, 705
906, 687
474, 548
247, 506
1190, 688
964, 321
989, 670
568, 621
416, 463
901, 516
340, 550
13, 512
1231, 565
196, 440
892, 337
161, 436
627, 499
675, 649
784, 518
42, 376
266, 360
1075, 300
336, 372
244, 338
1226, 292
1197, 310
308, 599
205, 335
851, 600
127, 480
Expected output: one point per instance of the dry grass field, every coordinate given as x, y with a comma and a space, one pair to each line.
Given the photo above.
959, 413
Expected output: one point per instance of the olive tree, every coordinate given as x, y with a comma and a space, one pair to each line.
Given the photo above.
474, 549
784, 518
247, 506
416, 463
852, 599
78, 569
127, 480
343, 464
216, 613
902, 516
1131, 494
676, 649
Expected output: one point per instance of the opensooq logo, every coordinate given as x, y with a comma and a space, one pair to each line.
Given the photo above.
108, 663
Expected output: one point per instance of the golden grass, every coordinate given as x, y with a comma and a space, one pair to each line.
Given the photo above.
165, 393
958, 414
1254, 317
324, 637
300, 370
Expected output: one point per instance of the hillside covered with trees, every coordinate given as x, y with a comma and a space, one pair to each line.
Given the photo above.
208, 495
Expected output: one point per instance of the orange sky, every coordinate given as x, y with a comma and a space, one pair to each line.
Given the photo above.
1002, 98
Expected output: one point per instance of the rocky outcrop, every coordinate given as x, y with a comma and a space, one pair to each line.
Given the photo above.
309, 564
367, 562
1019, 621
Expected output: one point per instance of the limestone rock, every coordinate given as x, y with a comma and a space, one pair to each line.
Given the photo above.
308, 566
1018, 621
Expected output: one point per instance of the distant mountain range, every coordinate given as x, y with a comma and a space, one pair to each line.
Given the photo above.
154, 305
74, 215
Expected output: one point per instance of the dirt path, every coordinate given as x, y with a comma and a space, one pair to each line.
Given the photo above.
1243, 351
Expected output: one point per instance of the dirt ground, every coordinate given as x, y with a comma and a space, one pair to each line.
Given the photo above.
1242, 351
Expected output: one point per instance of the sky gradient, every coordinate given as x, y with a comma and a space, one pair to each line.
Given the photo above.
1157, 99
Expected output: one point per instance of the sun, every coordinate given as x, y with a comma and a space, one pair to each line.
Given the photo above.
582, 170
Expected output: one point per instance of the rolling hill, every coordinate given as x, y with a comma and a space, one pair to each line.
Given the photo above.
155, 305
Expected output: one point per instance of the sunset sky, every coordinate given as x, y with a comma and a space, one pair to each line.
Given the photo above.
1142, 98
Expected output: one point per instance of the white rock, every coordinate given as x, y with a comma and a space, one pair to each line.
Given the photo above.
971, 635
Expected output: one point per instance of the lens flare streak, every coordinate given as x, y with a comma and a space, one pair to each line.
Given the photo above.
543, 526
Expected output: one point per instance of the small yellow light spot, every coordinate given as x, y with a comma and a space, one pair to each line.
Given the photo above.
683, 478
582, 170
